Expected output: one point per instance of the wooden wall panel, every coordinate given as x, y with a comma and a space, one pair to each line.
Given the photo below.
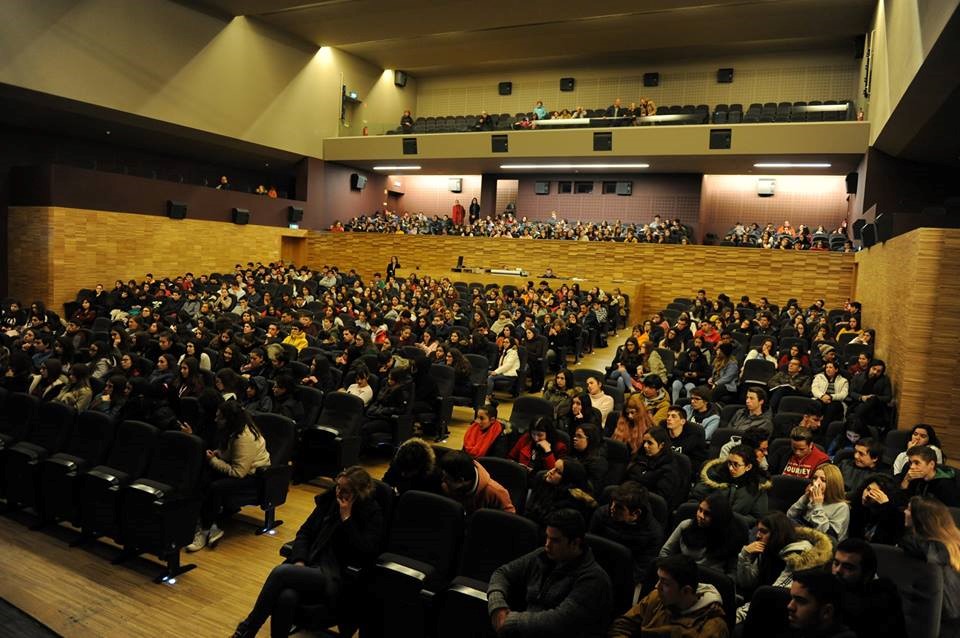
666, 271
56, 251
910, 289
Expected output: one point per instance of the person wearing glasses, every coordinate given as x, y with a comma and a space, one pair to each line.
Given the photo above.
740, 478
701, 412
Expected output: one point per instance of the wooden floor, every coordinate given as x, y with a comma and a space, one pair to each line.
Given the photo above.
78, 592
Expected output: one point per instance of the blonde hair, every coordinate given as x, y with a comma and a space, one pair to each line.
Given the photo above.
933, 521
833, 491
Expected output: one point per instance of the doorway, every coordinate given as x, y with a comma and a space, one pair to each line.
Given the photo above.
293, 250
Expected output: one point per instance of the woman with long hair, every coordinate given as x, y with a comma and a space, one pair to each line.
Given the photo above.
920, 434
933, 537
713, 537
625, 365
656, 468
587, 446
633, 423
876, 511
77, 393
46, 385
189, 381
539, 449
823, 506
563, 486
723, 379
345, 530
581, 412
559, 392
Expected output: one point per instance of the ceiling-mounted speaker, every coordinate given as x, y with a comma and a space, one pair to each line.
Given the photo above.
400, 78
724, 76
505, 88
241, 216
176, 210
651, 79
567, 84
294, 215
852, 179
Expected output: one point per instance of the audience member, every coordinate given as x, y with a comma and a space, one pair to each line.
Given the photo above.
587, 447
870, 604
564, 486
920, 434
806, 456
713, 537
754, 414
657, 469
483, 432
823, 505
925, 477
469, 483
628, 520
933, 537
739, 479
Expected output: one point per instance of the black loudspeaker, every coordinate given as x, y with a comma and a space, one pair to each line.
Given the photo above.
868, 235
858, 228
567, 84
505, 88
499, 144
400, 78
603, 141
409, 146
724, 76
294, 215
624, 188
176, 210
241, 216
720, 138
357, 181
651, 79
852, 179
541, 188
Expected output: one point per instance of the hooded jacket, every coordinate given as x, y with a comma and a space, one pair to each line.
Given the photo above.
660, 474
429, 479
811, 549
747, 498
486, 494
705, 619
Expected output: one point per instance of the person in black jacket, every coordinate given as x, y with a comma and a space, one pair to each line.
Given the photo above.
687, 438
393, 399
345, 529
629, 521
656, 469
876, 511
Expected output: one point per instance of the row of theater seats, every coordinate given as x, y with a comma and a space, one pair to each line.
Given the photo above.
127, 481
699, 114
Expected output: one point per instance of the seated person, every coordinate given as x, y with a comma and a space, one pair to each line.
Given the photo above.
830, 388
867, 460
616, 109
628, 520
242, 452
483, 432
285, 402
871, 605
713, 537
687, 438
599, 399
564, 486
876, 510
679, 606
934, 538
345, 529
484, 122
793, 381
823, 506
656, 468
393, 400
561, 587
756, 438
754, 414
739, 478
469, 483
539, 449
655, 398
870, 392
406, 122
806, 457
816, 604
921, 434
702, 412
414, 467
692, 369
925, 477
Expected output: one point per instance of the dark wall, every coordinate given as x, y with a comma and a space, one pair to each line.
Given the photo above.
340, 202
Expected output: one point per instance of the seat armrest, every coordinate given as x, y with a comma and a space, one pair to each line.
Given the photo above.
107, 477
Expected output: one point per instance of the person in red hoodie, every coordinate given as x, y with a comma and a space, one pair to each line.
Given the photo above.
806, 457
539, 449
483, 432
469, 483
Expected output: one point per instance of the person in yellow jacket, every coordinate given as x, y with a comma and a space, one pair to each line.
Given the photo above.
680, 606
297, 338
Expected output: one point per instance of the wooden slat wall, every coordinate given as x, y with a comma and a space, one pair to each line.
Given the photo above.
56, 251
666, 271
910, 289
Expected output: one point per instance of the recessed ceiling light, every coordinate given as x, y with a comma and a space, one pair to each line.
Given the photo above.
396, 168
792, 165
569, 166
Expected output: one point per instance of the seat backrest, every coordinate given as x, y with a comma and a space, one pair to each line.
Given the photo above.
758, 370
783, 422
618, 457
132, 447
495, 538
721, 436
526, 410
660, 510
785, 491
921, 589
92, 437
20, 409
796, 404
177, 460
429, 528
342, 411
727, 590
511, 475
312, 401
53, 426
280, 433
727, 412
895, 443
444, 377
617, 561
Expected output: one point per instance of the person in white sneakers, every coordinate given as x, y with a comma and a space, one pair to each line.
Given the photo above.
243, 450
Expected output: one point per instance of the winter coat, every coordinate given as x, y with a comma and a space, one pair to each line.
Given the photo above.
746, 497
488, 494
661, 475
642, 537
705, 619
242, 455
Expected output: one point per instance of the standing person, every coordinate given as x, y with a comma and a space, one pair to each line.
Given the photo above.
345, 529
457, 213
474, 211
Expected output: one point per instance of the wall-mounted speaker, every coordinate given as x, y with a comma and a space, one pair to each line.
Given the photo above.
409, 146
357, 181
294, 215
651, 79
724, 76
603, 141
455, 184
499, 144
720, 139
858, 228
541, 188
567, 84
624, 188
505, 88
400, 78
766, 187
868, 235
852, 179
241, 216
176, 210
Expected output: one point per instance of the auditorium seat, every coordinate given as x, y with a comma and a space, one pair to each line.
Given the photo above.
438, 421
511, 475
312, 401
617, 561
18, 414
479, 369
52, 428
333, 443
526, 410
784, 492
